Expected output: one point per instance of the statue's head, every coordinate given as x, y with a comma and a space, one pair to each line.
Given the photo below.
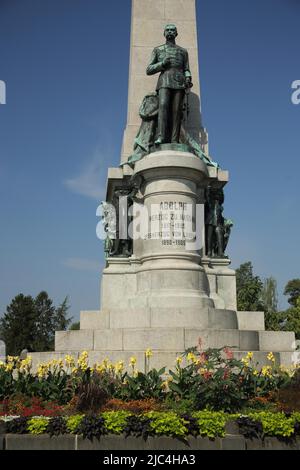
170, 32
229, 223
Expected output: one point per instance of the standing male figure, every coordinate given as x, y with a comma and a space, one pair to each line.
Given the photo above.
175, 77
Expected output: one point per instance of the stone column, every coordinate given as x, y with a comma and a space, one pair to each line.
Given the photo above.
149, 18
171, 274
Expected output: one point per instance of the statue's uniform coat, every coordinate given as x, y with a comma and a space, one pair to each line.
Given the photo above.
173, 77
170, 87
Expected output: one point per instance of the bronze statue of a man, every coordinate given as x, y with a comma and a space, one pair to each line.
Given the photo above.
172, 62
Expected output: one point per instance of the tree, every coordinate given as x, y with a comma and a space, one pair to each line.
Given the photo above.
45, 314
75, 326
249, 289
270, 303
31, 323
290, 319
18, 326
49, 320
61, 320
293, 290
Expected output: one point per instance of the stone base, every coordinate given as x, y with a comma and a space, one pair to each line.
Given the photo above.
119, 335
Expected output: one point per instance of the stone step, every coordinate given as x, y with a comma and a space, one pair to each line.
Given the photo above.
159, 318
172, 339
94, 320
251, 321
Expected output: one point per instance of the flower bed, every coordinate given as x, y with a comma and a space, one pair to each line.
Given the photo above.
200, 380
258, 425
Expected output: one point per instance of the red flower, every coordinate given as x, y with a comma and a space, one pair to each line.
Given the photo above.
207, 375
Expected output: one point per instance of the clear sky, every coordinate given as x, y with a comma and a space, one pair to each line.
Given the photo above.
65, 65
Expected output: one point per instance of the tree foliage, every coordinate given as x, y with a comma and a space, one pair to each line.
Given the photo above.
270, 303
253, 295
292, 289
30, 323
249, 289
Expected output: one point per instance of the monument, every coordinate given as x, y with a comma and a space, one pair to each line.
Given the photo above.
170, 283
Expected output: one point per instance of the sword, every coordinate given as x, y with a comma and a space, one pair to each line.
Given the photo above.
187, 94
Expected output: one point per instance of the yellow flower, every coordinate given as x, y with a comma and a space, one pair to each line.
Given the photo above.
42, 371
179, 360
250, 356
165, 385
191, 358
266, 371
12, 359
100, 368
82, 362
25, 365
105, 364
255, 372
245, 361
9, 367
288, 370
148, 353
119, 367
84, 355
133, 361
2, 365
271, 357
70, 361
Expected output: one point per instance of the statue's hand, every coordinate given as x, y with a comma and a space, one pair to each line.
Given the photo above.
188, 82
166, 62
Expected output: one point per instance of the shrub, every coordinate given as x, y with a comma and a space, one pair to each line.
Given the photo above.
37, 425
92, 426
211, 424
57, 426
275, 424
250, 428
91, 393
191, 425
288, 396
20, 405
296, 418
115, 421
138, 426
17, 426
214, 379
180, 407
73, 423
167, 424
140, 386
133, 406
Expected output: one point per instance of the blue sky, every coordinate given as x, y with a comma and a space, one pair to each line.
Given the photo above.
65, 64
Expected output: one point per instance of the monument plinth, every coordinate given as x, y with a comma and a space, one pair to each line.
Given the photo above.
169, 282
